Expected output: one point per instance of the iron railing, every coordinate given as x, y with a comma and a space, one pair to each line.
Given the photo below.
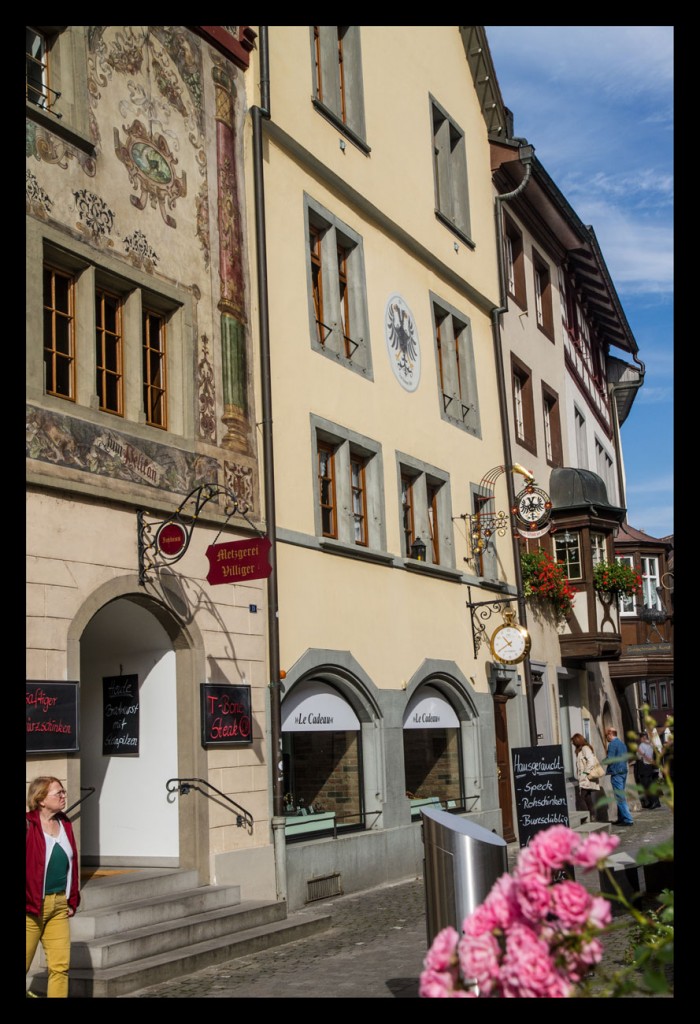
244, 819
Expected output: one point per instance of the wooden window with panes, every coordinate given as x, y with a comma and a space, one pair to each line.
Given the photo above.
552, 426
567, 550
543, 296
359, 499
515, 263
326, 490
433, 523
154, 369
408, 528
59, 333
344, 297
317, 281
109, 352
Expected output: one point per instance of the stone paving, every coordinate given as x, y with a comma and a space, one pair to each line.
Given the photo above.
374, 947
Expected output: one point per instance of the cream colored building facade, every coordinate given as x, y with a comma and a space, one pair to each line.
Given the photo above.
138, 396
381, 278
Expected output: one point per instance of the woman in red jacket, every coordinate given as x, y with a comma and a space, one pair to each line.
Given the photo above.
52, 880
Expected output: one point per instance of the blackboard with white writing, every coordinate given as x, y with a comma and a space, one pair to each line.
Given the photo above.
540, 789
120, 716
225, 714
51, 717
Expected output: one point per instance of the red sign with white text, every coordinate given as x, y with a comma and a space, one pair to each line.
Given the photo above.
238, 561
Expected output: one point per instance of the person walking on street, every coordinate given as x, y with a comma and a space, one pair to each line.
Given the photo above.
52, 880
647, 774
616, 768
585, 762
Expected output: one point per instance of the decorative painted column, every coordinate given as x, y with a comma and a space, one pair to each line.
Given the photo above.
232, 302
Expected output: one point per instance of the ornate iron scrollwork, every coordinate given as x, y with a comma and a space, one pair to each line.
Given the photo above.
485, 609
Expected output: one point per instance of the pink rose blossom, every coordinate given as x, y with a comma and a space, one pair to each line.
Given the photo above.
437, 984
501, 901
533, 897
594, 849
530, 863
600, 914
527, 970
479, 960
442, 955
481, 920
555, 846
571, 903
592, 952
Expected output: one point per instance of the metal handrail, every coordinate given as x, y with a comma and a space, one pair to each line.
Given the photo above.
89, 790
243, 817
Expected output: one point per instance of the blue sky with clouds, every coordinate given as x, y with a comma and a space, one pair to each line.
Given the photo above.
596, 102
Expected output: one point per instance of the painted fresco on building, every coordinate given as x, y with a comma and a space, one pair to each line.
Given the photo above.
76, 444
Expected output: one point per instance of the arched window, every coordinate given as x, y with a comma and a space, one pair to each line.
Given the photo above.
432, 752
322, 758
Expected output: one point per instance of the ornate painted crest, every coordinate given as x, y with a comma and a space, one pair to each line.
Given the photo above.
402, 342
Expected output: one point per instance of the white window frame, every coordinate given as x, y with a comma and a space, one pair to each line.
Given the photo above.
581, 439
346, 444
450, 171
354, 352
626, 602
423, 478
599, 550
567, 559
454, 354
650, 581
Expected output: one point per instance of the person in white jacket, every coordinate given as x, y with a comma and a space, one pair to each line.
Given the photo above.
585, 762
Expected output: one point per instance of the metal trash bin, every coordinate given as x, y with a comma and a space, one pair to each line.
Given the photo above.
462, 860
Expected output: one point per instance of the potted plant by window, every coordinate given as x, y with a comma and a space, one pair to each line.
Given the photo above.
546, 579
615, 579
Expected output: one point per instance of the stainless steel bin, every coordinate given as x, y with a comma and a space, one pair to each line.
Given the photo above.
462, 860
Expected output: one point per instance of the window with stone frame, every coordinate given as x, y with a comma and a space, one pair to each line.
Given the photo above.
349, 504
337, 290
425, 510
454, 353
57, 95
450, 170
59, 333
543, 295
337, 79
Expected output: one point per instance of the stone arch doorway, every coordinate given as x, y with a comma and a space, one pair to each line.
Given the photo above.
130, 819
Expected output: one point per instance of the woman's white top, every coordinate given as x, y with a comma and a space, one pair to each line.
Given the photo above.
63, 842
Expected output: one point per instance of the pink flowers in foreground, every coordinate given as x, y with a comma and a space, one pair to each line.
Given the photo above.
531, 937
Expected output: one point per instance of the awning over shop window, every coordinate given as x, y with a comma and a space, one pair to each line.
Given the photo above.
317, 707
428, 709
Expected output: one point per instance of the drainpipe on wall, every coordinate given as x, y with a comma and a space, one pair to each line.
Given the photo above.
526, 154
278, 819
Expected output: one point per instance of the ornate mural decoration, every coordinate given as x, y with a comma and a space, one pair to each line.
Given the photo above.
232, 302
206, 388
77, 444
239, 479
96, 218
42, 145
140, 252
202, 206
125, 54
37, 201
150, 164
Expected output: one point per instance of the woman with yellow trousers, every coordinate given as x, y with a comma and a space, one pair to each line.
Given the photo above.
52, 880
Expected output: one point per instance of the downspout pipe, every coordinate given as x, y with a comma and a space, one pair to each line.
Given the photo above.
526, 154
259, 114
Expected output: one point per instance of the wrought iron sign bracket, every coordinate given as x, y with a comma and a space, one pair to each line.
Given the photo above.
480, 618
156, 537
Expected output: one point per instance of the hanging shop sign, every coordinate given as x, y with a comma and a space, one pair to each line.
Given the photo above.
540, 789
532, 511
226, 718
171, 539
429, 710
316, 707
239, 560
120, 716
51, 717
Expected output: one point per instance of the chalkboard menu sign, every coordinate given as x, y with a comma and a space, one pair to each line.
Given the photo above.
225, 715
540, 789
120, 715
51, 717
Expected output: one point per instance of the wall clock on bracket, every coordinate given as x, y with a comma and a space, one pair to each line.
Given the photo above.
510, 643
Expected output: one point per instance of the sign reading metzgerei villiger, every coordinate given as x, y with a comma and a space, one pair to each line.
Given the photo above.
540, 789
120, 715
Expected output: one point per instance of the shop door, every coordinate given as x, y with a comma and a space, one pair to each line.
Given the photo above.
505, 787
129, 819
